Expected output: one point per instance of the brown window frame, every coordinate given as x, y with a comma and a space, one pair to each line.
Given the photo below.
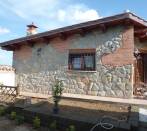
81, 53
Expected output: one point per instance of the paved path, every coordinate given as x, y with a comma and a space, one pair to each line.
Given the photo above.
108, 99
95, 98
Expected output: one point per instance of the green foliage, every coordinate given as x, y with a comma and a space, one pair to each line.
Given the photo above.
13, 115
2, 111
36, 122
57, 88
71, 128
19, 120
57, 92
53, 126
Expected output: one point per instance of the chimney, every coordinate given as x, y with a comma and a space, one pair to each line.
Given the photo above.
31, 29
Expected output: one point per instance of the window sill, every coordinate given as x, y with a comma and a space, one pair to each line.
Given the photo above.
81, 71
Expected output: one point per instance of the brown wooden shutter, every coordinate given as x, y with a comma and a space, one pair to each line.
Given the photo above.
138, 64
144, 68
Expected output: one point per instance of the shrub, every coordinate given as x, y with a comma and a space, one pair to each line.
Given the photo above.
53, 126
71, 128
19, 120
36, 122
2, 111
13, 115
57, 90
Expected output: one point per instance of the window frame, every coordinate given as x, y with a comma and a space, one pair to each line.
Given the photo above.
81, 53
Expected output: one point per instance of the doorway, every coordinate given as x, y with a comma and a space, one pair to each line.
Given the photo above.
144, 64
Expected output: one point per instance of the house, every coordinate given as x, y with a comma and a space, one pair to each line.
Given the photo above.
104, 57
7, 75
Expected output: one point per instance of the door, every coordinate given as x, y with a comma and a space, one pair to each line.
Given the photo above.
145, 68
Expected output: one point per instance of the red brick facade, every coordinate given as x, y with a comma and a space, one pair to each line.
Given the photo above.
124, 55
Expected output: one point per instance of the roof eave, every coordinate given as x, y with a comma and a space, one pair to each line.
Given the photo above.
108, 20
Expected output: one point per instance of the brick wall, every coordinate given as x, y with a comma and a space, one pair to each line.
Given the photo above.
124, 55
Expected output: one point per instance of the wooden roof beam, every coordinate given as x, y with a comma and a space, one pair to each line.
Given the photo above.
8, 48
31, 43
143, 38
103, 27
12, 47
63, 36
45, 40
127, 22
140, 32
17, 47
82, 32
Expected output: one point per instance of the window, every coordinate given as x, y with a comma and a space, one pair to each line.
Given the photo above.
82, 59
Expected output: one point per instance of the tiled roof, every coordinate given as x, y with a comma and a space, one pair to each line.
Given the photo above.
107, 21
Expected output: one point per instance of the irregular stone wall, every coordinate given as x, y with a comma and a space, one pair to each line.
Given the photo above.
47, 62
108, 81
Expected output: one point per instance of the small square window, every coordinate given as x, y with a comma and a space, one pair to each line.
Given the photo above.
82, 59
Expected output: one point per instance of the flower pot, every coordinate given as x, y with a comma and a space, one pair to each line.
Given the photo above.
55, 110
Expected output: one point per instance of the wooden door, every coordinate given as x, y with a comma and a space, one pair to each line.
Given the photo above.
145, 68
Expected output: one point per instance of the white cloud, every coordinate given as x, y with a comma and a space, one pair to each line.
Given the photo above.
61, 15
49, 14
86, 15
76, 14
30, 8
4, 30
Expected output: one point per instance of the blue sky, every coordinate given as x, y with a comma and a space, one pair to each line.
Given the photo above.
50, 14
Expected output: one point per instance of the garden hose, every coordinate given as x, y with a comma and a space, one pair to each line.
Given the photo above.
105, 125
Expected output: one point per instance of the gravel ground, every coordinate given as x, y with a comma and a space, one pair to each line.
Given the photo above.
8, 125
87, 111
